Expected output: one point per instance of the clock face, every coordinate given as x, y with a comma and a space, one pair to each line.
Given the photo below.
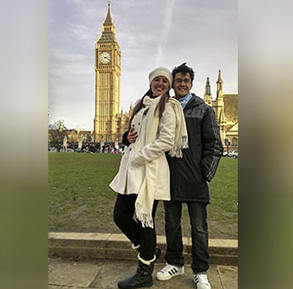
105, 57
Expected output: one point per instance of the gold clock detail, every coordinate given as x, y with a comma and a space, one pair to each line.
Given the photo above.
105, 57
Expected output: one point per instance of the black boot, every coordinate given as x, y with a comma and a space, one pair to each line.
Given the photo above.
142, 277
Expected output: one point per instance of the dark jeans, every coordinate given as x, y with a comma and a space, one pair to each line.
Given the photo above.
199, 235
133, 230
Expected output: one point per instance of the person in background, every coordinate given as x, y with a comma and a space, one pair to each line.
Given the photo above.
190, 177
156, 126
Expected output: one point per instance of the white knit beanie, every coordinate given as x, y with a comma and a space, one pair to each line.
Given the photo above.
161, 71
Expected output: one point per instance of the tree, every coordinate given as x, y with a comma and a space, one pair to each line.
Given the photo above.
57, 132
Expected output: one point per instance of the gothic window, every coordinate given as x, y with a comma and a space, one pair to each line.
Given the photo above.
234, 141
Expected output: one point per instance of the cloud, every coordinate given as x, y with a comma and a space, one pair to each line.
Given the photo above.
166, 30
71, 70
69, 65
65, 56
75, 2
81, 31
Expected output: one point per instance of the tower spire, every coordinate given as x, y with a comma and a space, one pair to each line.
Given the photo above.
219, 85
208, 95
208, 87
108, 29
220, 77
108, 20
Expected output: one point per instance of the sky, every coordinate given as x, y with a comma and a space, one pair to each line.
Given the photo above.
150, 34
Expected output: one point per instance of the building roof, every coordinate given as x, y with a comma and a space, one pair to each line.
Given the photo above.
231, 107
108, 34
107, 37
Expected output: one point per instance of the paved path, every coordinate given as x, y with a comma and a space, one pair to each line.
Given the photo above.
77, 273
93, 260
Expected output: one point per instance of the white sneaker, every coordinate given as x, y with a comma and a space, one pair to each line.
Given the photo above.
201, 281
169, 271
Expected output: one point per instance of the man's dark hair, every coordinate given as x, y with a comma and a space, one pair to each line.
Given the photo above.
184, 69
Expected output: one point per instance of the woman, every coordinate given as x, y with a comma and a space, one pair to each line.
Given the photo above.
143, 176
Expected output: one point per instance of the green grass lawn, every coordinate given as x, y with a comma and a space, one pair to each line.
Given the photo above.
80, 199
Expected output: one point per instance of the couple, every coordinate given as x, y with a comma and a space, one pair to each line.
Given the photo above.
173, 150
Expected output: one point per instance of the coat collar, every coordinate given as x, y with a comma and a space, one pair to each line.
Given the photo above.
195, 100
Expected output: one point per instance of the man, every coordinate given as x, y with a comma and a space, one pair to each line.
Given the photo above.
190, 176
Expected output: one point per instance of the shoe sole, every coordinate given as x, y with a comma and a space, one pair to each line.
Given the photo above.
170, 277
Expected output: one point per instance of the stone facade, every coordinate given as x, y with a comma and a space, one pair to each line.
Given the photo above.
226, 111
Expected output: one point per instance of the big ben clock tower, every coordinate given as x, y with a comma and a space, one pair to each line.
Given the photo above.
108, 71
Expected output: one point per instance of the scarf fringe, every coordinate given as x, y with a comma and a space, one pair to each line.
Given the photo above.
145, 219
176, 150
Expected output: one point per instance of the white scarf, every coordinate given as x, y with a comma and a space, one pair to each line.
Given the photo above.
145, 199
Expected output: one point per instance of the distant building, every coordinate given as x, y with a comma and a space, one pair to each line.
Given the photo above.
74, 136
109, 123
226, 110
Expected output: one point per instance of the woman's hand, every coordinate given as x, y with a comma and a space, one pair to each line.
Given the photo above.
132, 135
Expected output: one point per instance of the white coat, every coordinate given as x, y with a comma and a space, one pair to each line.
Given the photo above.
149, 149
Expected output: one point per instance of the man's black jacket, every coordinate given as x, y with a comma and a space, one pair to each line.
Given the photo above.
190, 175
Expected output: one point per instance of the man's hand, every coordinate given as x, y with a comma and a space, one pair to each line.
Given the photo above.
132, 135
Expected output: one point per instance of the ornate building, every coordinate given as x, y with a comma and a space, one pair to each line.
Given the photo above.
226, 110
109, 123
